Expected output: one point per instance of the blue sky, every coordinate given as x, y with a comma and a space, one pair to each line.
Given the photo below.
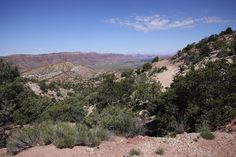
117, 26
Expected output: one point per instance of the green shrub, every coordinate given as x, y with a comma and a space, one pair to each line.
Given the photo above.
65, 135
12, 92
146, 67
46, 130
161, 69
53, 86
70, 93
30, 109
67, 111
206, 134
59, 94
204, 51
43, 86
201, 96
145, 94
101, 133
201, 43
188, 47
156, 59
21, 139
112, 92
191, 59
212, 38
126, 73
160, 151
134, 152
91, 136
138, 71
8, 73
227, 31
158, 70
62, 135
86, 136
120, 121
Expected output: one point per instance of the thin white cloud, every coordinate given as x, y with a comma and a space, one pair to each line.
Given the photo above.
159, 22
213, 19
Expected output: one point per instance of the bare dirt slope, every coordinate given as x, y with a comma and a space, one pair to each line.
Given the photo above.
166, 77
184, 145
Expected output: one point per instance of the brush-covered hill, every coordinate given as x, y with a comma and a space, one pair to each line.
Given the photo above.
215, 47
196, 55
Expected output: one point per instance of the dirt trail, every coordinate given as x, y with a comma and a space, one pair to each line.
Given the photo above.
167, 76
184, 145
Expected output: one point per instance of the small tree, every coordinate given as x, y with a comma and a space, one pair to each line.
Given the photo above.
156, 59
43, 86
8, 73
11, 91
205, 51
229, 30
146, 67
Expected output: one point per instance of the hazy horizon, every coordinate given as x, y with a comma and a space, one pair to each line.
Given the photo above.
119, 53
124, 27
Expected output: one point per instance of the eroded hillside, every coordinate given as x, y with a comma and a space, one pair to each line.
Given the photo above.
60, 72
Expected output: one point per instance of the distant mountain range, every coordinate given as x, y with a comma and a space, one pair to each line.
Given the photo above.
28, 62
72, 65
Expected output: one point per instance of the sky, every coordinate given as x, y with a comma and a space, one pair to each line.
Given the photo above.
110, 26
